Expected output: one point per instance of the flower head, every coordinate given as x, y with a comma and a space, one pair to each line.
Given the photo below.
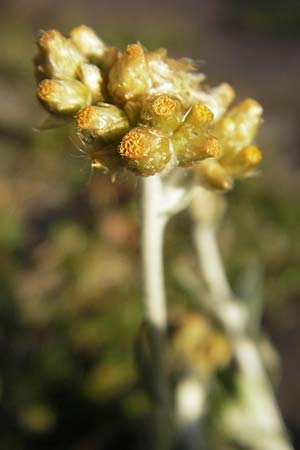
144, 111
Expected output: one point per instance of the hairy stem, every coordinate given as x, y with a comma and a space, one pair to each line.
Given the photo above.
230, 313
154, 303
210, 262
190, 403
152, 228
220, 302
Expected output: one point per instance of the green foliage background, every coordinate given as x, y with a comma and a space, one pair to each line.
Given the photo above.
69, 280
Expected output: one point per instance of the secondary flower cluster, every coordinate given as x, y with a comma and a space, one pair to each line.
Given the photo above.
144, 111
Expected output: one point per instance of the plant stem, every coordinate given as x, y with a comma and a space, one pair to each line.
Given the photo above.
221, 302
154, 303
190, 402
152, 228
210, 262
230, 313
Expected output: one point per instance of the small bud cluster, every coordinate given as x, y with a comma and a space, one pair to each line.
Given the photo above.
144, 111
198, 345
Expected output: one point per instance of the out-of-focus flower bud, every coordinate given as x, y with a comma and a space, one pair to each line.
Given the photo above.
109, 58
215, 206
58, 57
239, 126
219, 98
243, 162
213, 176
173, 77
145, 150
103, 122
129, 76
194, 141
63, 97
164, 110
197, 345
91, 76
88, 43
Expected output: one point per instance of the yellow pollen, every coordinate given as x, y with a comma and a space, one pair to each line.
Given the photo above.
201, 113
47, 38
212, 147
45, 89
164, 105
134, 51
84, 117
252, 106
133, 145
252, 155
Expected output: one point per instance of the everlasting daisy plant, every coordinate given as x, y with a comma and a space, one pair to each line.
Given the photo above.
144, 112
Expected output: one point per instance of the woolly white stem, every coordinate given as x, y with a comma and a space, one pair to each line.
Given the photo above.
210, 262
152, 228
190, 401
246, 352
221, 302
154, 302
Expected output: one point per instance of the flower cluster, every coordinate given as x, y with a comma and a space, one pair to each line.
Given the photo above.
144, 111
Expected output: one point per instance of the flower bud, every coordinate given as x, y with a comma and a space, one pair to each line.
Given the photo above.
165, 111
88, 43
239, 126
243, 162
63, 97
58, 57
198, 117
193, 141
174, 77
109, 58
129, 76
197, 344
215, 206
145, 150
103, 122
213, 176
220, 98
91, 76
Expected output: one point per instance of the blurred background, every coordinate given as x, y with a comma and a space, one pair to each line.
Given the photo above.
69, 280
